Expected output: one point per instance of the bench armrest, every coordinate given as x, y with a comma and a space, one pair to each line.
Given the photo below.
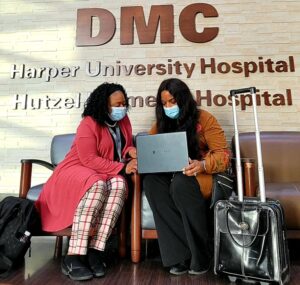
26, 172
39, 162
136, 212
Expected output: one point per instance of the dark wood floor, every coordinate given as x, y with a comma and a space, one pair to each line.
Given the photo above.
42, 269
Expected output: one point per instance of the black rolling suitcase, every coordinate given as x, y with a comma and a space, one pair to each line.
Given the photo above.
250, 236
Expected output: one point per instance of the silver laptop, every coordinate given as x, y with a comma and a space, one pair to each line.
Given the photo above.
162, 152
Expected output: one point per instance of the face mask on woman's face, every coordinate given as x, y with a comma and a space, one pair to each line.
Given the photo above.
117, 113
172, 112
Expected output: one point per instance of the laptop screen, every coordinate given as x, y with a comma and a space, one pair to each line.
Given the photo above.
162, 152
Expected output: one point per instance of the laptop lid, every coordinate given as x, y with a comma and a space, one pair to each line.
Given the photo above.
162, 152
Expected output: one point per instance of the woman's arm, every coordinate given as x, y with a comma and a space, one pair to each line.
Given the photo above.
217, 158
86, 144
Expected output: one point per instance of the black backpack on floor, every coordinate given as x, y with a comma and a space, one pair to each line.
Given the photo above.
17, 216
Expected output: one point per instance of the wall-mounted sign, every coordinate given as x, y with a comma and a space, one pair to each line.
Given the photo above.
134, 17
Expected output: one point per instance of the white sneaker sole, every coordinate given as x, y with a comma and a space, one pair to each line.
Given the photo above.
193, 272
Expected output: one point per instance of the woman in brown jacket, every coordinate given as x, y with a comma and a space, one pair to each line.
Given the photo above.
180, 201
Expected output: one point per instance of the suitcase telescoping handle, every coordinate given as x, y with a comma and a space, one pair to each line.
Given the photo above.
261, 179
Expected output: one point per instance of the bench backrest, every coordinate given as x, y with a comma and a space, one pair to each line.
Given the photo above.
280, 153
60, 146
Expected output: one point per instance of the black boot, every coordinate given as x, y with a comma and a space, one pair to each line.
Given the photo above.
96, 262
73, 267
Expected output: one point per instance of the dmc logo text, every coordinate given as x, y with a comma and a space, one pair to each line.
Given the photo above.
93, 19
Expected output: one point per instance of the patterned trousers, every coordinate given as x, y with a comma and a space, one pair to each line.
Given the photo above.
99, 209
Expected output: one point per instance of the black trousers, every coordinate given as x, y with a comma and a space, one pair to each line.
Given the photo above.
180, 215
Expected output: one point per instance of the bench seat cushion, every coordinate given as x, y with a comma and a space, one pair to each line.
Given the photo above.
288, 194
147, 214
34, 192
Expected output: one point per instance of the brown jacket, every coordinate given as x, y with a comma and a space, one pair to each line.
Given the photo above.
213, 147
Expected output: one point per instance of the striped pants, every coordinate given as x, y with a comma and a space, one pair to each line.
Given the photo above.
99, 209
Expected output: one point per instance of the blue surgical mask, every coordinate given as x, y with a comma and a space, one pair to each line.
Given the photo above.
172, 112
117, 113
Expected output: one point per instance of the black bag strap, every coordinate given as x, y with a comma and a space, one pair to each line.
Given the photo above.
5, 264
27, 212
6, 210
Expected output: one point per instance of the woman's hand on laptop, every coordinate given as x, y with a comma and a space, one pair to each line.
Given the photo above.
131, 166
132, 153
194, 167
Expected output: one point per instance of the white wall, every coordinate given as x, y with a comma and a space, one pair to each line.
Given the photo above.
42, 34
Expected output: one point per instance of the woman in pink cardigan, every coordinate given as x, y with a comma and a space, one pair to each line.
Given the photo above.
88, 189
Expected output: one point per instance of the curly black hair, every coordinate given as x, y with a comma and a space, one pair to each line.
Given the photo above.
96, 104
188, 116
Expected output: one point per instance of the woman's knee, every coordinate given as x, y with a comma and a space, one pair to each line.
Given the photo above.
95, 192
120, 180
180, 181
148, 184
156, 188
183, 185
117, 183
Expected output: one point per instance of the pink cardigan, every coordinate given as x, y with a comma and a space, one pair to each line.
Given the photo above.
90, 159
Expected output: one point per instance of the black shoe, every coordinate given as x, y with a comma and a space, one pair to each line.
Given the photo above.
96, 263
199, 270
179, 269
72, 266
